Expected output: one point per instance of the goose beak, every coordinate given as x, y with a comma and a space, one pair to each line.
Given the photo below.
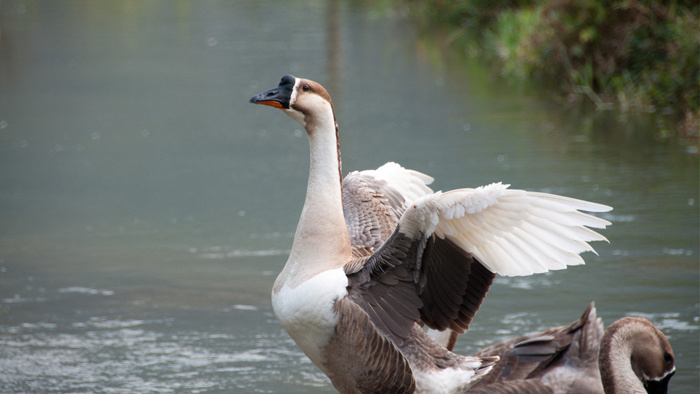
658, 386
273, 98
278, 97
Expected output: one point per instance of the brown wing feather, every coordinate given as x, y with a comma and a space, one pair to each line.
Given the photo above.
428, 279
369, 362
453, 285
372, 210
530, 357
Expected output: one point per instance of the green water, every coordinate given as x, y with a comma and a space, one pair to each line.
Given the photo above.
146, 207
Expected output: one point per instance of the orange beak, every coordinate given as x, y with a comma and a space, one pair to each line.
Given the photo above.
271, 103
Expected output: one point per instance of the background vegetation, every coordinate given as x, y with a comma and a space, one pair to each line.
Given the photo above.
631, 55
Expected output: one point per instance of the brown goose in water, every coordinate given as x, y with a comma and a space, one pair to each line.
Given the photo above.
378, 251
635, 357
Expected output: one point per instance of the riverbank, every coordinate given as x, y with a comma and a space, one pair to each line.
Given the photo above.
624, 55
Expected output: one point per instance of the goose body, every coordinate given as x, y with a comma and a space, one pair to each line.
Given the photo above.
635, 357
379, 252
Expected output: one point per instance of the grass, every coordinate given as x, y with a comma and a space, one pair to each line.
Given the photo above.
625, 55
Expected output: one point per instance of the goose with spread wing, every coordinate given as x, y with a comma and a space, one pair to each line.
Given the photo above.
378, 254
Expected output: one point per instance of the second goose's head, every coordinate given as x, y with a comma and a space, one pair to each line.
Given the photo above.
304, 100
634, 342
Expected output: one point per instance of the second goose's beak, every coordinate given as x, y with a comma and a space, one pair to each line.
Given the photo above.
278, 97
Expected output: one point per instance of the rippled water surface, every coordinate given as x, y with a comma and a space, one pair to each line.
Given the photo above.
146, 207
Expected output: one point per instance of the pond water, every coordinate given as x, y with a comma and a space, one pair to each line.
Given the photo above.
146, 207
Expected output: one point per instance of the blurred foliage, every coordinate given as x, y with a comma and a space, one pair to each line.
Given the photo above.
629, 54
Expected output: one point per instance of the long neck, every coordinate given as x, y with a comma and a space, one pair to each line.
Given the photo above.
321, 241
616, 366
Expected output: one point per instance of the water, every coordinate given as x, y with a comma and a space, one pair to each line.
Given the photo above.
146, 206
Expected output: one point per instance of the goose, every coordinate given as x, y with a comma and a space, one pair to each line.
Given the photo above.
377, 254
630, 356
635, 357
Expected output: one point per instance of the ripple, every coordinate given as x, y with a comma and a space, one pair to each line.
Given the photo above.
527, 282
149, 356
219, 252
245, 307
85, 290
101, 322
678, 252
668, 321
19, 299
616, 218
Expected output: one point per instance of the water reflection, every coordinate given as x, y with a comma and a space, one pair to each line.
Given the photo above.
146, 207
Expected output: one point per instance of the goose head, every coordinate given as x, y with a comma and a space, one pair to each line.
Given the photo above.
304, 100
652, 358
649, 353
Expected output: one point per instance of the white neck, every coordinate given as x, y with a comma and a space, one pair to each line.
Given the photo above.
622, 376
321, 241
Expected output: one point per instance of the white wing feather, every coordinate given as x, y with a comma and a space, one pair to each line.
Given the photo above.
409, 183
512, 232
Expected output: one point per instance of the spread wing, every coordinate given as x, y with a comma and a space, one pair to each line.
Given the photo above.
373, 202
441, 259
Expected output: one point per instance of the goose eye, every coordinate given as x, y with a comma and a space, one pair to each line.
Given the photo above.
305, 88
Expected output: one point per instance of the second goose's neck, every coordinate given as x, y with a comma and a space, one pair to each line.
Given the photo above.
321, 241
615, 363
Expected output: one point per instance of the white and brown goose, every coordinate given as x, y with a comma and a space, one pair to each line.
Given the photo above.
631, 356
379, 252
